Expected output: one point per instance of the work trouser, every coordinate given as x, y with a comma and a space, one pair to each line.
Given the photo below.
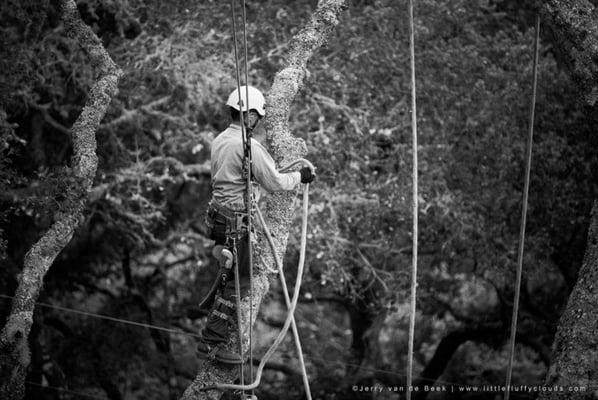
225, 231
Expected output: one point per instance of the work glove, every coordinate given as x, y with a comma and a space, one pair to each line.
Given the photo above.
306, 175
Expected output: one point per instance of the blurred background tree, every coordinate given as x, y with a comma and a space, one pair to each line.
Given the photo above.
141, 255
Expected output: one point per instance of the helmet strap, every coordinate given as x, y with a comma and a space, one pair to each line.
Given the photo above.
251, 120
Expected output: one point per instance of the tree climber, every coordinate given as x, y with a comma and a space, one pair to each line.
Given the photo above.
227, 214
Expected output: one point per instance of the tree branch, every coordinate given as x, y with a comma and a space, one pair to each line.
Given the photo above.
279, 207
575, 347
574, 30
14, 349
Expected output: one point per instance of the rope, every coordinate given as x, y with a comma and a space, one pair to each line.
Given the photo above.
108, 318
246, 164
285, 292
528, 166
293, 305
249, 202
238, 306
414, 201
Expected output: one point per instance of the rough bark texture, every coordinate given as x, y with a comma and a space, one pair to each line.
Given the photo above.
574, 30
575, 347
14, 348
285, 148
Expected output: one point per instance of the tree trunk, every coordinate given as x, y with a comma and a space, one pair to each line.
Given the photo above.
574, 31
575, 347
285, 148
572, 24
14, 348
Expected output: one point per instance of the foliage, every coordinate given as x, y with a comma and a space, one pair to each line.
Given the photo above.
141, 247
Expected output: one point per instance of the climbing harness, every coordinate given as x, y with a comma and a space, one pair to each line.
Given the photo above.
414, 202
528, 166
249, 208
293, 302
225, 260
236, 224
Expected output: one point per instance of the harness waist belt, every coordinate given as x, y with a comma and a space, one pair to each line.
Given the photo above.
236, 221
225, 211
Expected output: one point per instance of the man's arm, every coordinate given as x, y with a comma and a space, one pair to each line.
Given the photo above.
265, 173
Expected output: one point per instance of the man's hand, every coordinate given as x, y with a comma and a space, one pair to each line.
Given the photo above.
306, 175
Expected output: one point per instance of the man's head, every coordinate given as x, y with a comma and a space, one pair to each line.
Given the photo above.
251, 99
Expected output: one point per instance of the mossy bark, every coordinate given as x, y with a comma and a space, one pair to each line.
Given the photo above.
575, 347
285, 147
14, 348
574, 30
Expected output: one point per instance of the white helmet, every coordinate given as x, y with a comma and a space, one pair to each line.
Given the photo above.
256, 100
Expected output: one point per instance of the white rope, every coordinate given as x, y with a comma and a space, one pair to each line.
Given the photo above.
293, 302
414, 203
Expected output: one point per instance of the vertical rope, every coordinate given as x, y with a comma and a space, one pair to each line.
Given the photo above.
233, 18
414, 201
528, 166
249, 202
238, 307
237, 69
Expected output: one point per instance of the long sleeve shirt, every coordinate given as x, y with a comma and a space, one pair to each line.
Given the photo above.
228, 183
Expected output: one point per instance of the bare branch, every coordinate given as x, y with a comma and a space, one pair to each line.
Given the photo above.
279, 207
14, 348
575, 32
575, 347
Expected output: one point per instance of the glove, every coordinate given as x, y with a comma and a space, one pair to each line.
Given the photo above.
306, 175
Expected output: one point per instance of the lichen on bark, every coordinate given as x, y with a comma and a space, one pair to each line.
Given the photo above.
575, 347
285, 147
14, 348
573, 27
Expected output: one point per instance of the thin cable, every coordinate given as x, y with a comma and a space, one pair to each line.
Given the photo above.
249, 202
528, 167
29, 383
89, 396
415, 199
244, 136
108, 318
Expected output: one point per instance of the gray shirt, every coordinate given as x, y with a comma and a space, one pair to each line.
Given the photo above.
228, 184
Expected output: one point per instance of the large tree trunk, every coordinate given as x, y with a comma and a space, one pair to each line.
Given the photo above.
14, 348
575, 348
285, 147
574, 28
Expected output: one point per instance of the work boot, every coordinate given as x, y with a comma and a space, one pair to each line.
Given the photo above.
215, 333
218, 352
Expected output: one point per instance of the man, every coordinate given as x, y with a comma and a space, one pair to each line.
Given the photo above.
228, 214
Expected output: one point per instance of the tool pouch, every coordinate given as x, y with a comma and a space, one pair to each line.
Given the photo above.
209, 221
216, 225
